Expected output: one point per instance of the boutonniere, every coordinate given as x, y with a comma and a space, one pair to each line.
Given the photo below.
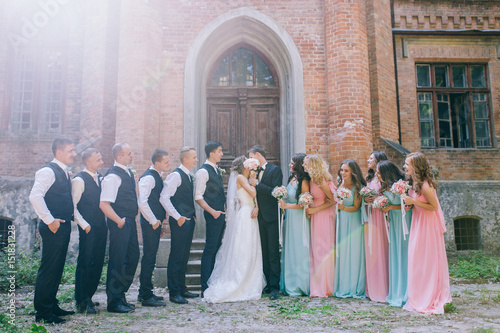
163, 175
222, 171
68, 170
134, 172
100, 178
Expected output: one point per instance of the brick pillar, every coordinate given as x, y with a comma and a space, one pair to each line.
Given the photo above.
382, 74
348, 82
140, 65
99, 75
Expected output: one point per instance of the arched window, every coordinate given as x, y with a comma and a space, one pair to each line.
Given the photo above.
4, 232
467, 233
242, 67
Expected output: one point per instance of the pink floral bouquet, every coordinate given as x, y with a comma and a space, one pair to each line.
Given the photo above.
367, 191
400, 187
305, 199
380, 202
279, 192
342, 193
251, 163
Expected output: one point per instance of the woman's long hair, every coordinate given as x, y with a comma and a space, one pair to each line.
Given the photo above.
298, 172
237, 165
390, 173
317, 169
379, 156
423, 172
357, 176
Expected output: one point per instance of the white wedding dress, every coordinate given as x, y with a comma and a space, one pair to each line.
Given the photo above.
238, 274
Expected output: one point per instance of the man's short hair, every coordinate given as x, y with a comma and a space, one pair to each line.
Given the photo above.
117, 149
87, 153
212, 146
60, 143
158, 154
183, 152
257, 149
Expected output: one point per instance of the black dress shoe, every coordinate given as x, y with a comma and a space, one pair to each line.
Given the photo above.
50, 319
130, 305
274, 295
87, 309
96, 304
178, 299
57, 311
267, 290
187, 294
152, 301
158, 298
120, 308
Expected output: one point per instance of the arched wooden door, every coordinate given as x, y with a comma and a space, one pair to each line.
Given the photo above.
243, 104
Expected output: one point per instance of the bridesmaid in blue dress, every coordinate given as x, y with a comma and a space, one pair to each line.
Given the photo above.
350, 271
295, 267
388, 173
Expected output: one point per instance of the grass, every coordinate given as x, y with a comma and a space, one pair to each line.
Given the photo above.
475, 266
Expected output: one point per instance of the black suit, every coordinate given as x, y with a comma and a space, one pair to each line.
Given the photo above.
268, 224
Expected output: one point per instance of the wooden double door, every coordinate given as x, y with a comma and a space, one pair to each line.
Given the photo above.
241, 117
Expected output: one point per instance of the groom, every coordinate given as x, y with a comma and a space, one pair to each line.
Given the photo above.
268, 177
209, 194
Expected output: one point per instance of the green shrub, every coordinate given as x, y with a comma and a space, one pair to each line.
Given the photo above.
475, 265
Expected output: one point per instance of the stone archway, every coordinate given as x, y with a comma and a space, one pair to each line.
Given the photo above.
245, 25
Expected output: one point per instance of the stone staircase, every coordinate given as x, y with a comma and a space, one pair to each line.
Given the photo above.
193, 268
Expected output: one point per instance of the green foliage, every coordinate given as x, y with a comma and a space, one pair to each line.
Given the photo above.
38, 329
450, 308
26, 267
5, 325
475, 265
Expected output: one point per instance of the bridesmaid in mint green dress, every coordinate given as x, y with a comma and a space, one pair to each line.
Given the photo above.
295, 267
388, 173
350, 271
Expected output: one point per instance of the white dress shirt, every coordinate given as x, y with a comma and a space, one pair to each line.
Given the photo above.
110, 184
262, 171
146, 185
44, 178
170, 186
201, 180
77, 188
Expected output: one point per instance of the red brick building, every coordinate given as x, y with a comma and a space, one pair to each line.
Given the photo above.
337, 78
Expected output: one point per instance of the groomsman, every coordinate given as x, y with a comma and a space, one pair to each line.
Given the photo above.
268, 177
86, 192
152, 216
210, 196
119, 204
51, 200
177, 198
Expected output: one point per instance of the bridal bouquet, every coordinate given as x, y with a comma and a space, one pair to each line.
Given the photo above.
381, 202
279, 192
252, 164
367, 191
305, 199
342, 193
400, 187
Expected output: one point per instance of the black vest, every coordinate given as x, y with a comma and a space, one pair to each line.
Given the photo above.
125, 204
58, 198
154, 197
183, 199
214, 192
88, 205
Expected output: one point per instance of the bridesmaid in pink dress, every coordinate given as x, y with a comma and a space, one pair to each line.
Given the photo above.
322, 227
428, 277
376, 244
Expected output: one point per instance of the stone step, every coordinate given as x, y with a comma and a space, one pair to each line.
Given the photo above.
193, 279
198, 244
195, 254
194, 267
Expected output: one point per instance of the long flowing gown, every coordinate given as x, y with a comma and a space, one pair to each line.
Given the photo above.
322, 246
428, 276
238, 274
376, 252
350, 263
295, 264
398, 253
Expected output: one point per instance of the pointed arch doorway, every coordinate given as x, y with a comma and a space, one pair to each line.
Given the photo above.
243, 104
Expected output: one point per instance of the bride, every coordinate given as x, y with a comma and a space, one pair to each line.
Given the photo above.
238, 274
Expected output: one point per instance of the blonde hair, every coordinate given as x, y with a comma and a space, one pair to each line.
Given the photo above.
183, 152
317, 169
423, 172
